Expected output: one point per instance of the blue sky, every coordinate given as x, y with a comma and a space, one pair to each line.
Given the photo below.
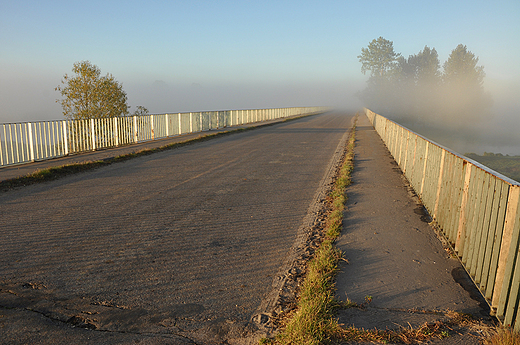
174, 56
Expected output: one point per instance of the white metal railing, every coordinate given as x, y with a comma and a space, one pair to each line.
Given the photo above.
34, 141
477, 209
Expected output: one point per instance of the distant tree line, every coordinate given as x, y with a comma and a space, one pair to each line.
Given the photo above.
504, 164
416, 88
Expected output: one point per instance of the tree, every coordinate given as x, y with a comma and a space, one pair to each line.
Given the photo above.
427, 64
88, 95
413, 88
416, 81
140, 111
421, 69
461, 69
463, 87
379, 57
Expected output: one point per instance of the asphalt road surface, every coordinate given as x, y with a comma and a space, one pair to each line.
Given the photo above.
178, 247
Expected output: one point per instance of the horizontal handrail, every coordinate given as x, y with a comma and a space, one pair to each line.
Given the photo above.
477, 209
27, 142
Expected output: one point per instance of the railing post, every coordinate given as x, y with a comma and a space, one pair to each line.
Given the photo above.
65, 138
439, 185
1, 150
31, 146
9, 144
424, 170
16, 143
191, 122
116, 131
92, 134
459, 242
166, 125
135, 128
151, 127
180, 124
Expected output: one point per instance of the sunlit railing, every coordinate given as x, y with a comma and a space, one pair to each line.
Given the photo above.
477, 209
34, 141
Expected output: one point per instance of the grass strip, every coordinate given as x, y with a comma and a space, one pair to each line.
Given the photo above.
313, 321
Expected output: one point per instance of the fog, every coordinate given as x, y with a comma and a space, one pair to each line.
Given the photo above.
29, 99
460, 118
464, 126
160, 96
34, 99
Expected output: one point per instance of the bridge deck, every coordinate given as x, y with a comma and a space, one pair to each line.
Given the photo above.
181, 245
185, 244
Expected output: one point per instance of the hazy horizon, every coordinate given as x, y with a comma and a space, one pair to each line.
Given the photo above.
216, 55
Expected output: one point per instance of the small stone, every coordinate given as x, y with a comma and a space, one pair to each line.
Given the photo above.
261, 319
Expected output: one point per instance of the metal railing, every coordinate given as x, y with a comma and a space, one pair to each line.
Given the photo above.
34, 141
476, 208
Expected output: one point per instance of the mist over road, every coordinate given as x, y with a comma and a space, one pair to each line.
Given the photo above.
178, 246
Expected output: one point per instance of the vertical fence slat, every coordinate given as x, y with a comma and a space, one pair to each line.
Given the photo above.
508, 252
31, 143
461, 229
498, 229
2, 138
484, 228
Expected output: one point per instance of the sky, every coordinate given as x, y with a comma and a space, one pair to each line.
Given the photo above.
193, 55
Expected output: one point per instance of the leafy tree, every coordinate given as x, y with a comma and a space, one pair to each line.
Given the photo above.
413, 89
419, 69
88, 95
463, 89
427, 70
382, 61
140, 111
406, 70
461, 69
416, 81
379, 57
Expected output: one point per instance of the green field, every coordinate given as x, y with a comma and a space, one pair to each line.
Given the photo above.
506, 165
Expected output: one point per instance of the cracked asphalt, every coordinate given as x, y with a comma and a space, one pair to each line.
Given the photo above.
178, 247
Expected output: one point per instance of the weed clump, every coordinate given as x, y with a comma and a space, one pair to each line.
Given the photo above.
504, 336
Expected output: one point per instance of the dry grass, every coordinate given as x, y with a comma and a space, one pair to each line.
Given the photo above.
403, 336
456, 323
504, 336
